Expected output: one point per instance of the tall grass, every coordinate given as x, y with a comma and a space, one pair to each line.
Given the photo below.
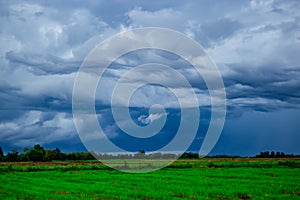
182, 180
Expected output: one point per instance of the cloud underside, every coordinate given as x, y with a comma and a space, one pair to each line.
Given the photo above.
255, 45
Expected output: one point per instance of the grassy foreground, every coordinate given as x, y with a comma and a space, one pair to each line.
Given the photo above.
193, 179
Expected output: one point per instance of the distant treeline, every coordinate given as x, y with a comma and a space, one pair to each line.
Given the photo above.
272, 154
265, 154
38, 153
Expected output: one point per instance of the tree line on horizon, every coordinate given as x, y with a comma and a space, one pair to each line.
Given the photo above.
38, 154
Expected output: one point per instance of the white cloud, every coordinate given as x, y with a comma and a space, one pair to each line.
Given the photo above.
31, 129
49, 38
163, 18
56, 86
262, 36
42, 45
150, 118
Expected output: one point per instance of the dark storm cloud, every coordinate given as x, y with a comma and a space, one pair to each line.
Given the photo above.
267, 89
261, 131
42, 44
42, 65
32, 128
21, 102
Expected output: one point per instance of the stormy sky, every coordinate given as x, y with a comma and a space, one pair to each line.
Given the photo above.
255, 45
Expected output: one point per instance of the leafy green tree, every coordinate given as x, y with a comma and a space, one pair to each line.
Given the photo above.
37, 153
277, 154
272, 154
142, 151
26, 150
50, 155
22, 157
13, 156
62, 157
1, 154
140, 154
57, 154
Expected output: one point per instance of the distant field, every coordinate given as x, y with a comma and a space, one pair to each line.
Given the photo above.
184, 179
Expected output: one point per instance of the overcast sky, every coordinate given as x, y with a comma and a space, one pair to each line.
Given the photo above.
255, 45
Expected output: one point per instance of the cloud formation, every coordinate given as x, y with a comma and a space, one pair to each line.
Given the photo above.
255, 44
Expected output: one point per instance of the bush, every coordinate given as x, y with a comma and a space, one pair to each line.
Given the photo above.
211, 164
289, 163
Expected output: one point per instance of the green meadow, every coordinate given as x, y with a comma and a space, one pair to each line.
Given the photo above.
184, 179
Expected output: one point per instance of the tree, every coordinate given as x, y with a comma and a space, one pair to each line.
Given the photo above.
277, 154
37, 153
1, 154
140, 154
50, 155
272, 154
22, 157
13, 156
57, 154
142, 151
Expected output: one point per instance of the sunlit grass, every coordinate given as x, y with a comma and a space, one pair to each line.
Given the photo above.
210, 179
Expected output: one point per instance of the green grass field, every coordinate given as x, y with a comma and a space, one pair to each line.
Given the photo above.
185, 179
